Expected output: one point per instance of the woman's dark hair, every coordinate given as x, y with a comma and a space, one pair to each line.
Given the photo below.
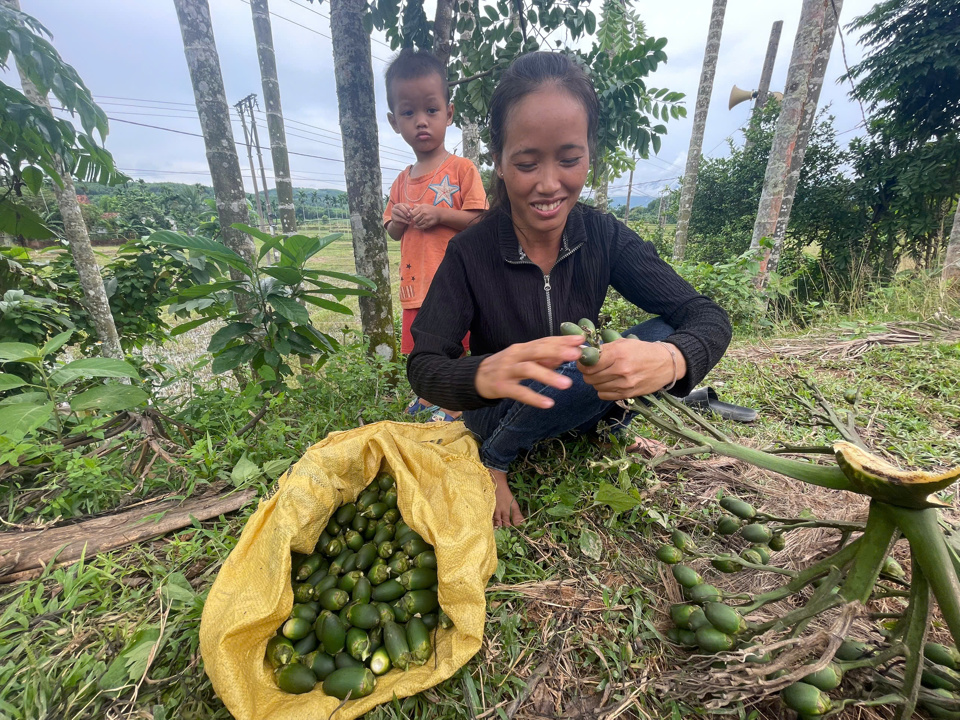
528, 74
410, 64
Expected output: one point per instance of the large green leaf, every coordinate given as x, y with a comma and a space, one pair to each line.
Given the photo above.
343, 276
615, 498
286, 275
93, 367
16, 421
328, 305
55, 343
109, 398
189, 325
21, 220
229, 358
222, 337
289, 309
9, 382
22, 352
252, 231
195, 291
201, 245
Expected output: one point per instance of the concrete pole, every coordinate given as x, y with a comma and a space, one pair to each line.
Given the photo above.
768, 62
253, 171
626, 213
263, 173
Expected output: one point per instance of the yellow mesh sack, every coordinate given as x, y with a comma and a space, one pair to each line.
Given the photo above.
444, 493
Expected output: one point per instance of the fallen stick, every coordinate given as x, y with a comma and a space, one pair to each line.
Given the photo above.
35, 549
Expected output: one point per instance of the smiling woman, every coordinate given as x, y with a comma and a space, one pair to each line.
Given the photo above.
538, 258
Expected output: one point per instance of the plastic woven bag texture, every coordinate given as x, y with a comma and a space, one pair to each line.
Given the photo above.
444, 493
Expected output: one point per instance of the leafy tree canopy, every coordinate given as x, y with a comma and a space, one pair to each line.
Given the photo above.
911, 76
31, 139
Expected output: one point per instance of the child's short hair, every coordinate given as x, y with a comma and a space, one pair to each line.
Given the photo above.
410, 64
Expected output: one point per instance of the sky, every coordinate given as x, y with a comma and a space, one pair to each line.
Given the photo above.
130, 55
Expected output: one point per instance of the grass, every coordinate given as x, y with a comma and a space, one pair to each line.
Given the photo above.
577, 593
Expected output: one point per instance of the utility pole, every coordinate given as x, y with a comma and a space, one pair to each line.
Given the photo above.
242, 107
773, 44
626, 213
263, 174
271, 100
661, 218
808, 64
704, 92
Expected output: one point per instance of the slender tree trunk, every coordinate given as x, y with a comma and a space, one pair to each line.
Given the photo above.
471, 133
274, 110
951, 264
689, 188
811, 52
626, 213
358, 125
200, 50
443, 31
603, 192
94, 299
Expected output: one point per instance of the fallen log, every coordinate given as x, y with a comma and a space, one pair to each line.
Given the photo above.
26, 554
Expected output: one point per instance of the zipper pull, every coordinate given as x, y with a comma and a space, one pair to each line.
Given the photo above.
546, 283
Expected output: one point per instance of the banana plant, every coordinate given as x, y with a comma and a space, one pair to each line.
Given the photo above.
274, 322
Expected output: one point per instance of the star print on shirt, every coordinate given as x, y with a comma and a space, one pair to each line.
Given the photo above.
444, 190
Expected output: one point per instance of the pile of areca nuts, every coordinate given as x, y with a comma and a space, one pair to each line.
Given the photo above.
365, 601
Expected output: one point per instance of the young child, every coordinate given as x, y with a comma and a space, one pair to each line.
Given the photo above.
432, 200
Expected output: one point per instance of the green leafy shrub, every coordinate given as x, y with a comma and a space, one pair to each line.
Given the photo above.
270, 323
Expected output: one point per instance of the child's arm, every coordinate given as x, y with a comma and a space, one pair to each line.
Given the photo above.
426, 216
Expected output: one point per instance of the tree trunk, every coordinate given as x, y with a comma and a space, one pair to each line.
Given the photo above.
94, 299
704, 92
443, 31
275, 127
200, 50
817, 72
951, 264
471, 143
603, 192
811, 49
358, 125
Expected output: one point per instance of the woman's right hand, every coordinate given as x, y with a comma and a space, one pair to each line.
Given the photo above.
501, 374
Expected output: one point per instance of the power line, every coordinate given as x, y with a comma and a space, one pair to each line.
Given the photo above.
309, 29
323, 15
191, 114
191, 134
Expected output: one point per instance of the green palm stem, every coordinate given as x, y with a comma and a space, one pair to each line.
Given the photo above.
889, 699
746, 563
828, 565
823, 599
915, 625
794, 523
874, 544
929, 548
822, 475
875, 661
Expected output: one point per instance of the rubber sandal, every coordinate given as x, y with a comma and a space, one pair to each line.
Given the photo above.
442, 416
706, 399
417, 407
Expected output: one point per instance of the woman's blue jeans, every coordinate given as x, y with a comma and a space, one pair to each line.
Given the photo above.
510, 427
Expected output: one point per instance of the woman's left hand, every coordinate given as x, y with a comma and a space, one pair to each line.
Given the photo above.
630, 368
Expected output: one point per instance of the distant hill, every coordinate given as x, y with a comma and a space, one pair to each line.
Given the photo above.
635, 200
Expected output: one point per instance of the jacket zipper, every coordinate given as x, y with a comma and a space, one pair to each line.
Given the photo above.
524, 260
